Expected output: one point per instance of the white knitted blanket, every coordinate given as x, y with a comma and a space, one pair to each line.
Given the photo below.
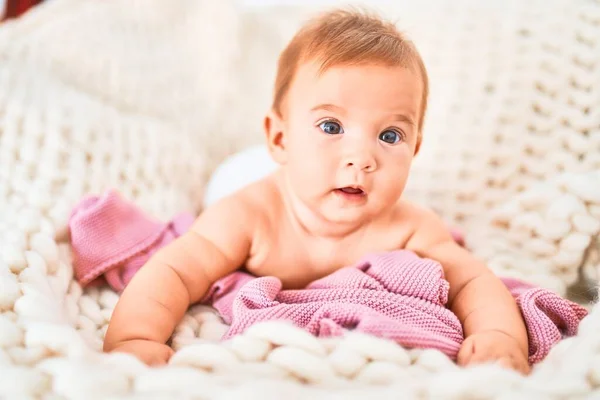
149, 96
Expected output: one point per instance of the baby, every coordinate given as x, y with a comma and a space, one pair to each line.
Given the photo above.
345, 123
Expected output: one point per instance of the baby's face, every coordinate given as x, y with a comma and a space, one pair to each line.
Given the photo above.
350, 136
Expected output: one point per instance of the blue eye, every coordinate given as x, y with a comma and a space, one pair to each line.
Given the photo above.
331, 127
391, 137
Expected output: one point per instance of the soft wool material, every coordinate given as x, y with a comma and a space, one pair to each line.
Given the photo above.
113, 239
149, 96
395, 295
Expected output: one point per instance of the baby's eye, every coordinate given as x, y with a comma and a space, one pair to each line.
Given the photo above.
389, 136
331, 127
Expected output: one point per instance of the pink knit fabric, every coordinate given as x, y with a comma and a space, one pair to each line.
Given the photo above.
395, 295
112, 239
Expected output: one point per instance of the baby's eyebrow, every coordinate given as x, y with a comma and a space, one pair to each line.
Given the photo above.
328, 107
404, 118
341, 110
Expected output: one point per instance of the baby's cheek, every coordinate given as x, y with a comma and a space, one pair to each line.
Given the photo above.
306, 179
395, 186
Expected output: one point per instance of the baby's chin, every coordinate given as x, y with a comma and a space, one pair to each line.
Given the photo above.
355, 212
347, 215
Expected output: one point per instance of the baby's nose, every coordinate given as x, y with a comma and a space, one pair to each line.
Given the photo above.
362, 161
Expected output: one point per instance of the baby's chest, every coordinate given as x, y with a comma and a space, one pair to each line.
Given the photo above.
299, 261
294, 265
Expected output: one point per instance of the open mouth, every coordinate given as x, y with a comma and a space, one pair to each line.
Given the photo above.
352, 192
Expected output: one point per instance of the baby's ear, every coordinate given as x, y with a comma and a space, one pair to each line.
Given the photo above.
418, 145
274, 131
417, 148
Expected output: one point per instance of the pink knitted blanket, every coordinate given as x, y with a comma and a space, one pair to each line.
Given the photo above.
395, 295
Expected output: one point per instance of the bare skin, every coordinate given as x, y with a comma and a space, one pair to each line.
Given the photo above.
302, 222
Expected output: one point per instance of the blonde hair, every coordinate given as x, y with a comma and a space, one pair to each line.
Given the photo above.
348, 37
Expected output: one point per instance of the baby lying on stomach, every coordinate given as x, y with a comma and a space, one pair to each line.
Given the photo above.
345, 123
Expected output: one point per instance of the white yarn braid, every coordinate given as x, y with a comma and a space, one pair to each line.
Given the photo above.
143, 96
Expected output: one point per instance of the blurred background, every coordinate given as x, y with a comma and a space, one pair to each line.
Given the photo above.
163, 101
514, 99
150, 97
14, 8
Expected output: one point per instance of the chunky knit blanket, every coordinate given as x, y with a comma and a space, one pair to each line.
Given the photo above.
393, 295
149, 96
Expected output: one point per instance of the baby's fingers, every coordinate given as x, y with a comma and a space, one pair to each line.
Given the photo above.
517, 364
465, 354
520, 364
161, 357
506, 363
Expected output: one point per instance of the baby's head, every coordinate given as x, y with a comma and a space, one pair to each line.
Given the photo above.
347, 115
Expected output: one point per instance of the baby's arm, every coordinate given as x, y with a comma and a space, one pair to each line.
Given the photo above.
176, 276
493, 326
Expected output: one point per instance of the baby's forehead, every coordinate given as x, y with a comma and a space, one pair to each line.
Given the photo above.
366, 93
316, 74
395, 84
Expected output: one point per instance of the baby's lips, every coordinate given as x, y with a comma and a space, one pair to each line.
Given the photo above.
351, 190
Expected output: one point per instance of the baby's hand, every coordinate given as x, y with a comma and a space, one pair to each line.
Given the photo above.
490, 346
151, 353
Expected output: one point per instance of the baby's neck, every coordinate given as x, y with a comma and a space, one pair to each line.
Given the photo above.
310, 222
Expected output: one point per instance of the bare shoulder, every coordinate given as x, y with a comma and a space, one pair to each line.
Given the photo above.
242, 209
262, 195
427, 227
